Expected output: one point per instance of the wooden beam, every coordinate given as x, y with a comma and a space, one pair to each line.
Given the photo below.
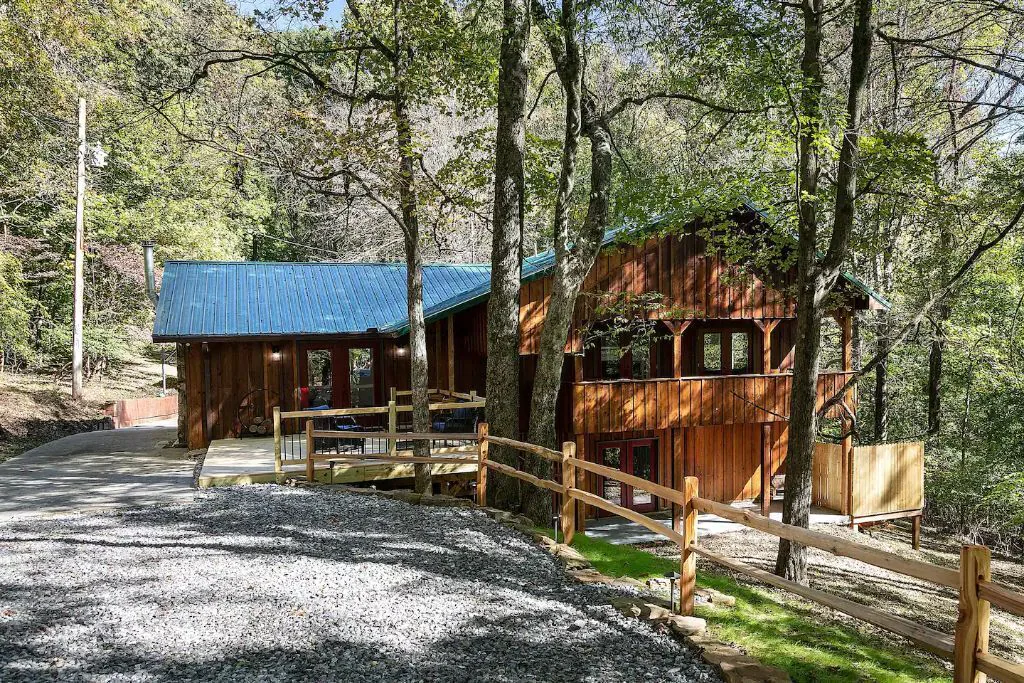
1002, 597
481, 472
451, 353
766, 326
1005, 671
766, 469
677, 328
972, 621
929, 639
546, 453
687, 558
631, 515
568, 481
536, 481
832, 544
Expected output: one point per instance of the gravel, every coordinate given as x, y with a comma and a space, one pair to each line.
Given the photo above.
264, 583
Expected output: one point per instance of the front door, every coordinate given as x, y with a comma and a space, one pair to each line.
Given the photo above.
637, 457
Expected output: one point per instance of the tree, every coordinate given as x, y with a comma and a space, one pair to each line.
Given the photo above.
507, 238
816, 275
385, 61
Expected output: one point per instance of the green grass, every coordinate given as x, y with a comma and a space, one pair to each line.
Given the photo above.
777, 631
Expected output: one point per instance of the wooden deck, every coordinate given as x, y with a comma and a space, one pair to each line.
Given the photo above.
251, 461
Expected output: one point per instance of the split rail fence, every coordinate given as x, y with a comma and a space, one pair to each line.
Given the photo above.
967, 648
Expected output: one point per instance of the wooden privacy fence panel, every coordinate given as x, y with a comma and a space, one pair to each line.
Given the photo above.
633, 405
888, 478
827, 489
133, 411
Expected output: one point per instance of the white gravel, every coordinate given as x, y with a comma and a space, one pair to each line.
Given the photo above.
273, 584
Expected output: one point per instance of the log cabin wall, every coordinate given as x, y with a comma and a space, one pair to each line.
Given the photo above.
694, 284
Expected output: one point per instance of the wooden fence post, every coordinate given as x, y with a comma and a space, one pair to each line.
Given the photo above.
916, 541
568, 502
687, 559
277, 440
392, 426
309, 451
972, 622
481, 467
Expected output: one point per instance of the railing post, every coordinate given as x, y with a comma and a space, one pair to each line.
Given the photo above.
569, 482
392, 426
309, 451
277, 440
687, 559
481, 467
971, 635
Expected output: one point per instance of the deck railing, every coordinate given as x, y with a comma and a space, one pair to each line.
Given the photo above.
663, 403
385, 432
967, 648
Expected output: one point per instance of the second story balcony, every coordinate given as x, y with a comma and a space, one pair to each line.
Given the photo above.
605, 406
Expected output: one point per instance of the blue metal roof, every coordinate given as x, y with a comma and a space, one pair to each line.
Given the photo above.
208, 299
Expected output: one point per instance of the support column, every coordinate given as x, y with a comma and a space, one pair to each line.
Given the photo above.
845, 320
766, 326
451, 353
677, 328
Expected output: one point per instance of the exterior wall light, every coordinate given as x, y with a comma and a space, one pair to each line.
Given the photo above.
275, 353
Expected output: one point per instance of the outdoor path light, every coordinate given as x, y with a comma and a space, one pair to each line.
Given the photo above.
672, 578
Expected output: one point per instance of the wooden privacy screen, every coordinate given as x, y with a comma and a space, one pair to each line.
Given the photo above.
888, 477
827, 476
627, 405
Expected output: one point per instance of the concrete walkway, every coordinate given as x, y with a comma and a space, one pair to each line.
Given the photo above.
623, 532
96, 470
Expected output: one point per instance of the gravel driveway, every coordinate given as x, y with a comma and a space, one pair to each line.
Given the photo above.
269, 583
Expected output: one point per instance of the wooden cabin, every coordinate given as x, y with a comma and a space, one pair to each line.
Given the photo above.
706, 394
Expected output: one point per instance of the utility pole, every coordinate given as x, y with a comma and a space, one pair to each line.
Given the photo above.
76, 331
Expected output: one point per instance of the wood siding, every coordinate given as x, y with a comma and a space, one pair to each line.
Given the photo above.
694, 284
888, 478
628, 405
726, 458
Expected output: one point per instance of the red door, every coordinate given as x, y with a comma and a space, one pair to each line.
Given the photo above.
637, 457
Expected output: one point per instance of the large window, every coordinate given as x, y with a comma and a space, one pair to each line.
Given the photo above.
726, 352
739, 361
360, 369
711, 359
318, 363
611, 359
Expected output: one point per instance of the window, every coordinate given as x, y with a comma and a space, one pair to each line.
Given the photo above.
740, 352
712, 359
360, 370
611, 355
318, 365
641, 353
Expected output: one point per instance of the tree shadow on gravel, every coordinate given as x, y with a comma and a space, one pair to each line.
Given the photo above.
455, 547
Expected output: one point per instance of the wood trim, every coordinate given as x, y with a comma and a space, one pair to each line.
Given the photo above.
886, 515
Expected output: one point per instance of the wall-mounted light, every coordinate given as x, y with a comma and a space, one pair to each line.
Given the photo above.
402, 350
275, 353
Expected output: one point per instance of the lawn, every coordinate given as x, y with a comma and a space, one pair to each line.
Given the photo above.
778, 630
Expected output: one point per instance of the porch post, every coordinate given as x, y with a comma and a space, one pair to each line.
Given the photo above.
451, 353
766, 326
677, 327
845, 320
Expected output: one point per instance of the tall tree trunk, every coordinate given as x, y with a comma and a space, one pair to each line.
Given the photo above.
502, 388
815, 278
414, 275
882, 400
939, 341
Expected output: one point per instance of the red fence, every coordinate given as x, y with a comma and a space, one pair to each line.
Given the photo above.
134, 411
